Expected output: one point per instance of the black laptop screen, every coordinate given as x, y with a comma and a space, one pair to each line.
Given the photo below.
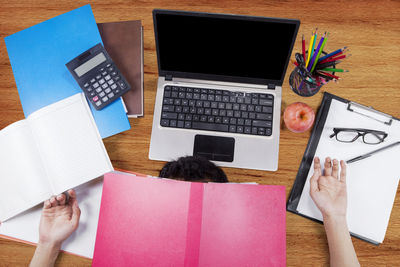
207, 45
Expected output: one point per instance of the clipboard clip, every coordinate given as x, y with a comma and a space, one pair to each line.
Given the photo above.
370, 112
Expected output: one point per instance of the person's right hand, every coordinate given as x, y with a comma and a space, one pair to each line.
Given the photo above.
59, 218
329, 190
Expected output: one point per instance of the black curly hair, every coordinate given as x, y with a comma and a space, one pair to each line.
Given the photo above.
194, 169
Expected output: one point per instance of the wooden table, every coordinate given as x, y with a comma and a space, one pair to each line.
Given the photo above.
369, 28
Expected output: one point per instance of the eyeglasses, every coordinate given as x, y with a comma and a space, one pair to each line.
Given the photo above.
349, 135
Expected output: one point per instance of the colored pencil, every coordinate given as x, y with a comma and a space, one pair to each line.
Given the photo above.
303, 46
309, 48
324, 38
316, 52
327, 64
313, 47
334, 58
329, 75
334, 70
339, 51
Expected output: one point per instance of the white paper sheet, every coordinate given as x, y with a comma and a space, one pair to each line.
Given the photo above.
371, 183
22, 183
69, 143
25, 226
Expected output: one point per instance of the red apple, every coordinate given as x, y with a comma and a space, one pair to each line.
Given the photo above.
299, 117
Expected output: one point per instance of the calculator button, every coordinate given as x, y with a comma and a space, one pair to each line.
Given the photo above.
90, 89
104, 86
98, 103
92, 93
122, 85
86, 85
104, 99
108, 65
110, 95
96, 98
102, 69
107, 77
98, 77
95, 85
110, 69
102, 94
113, 73
102, 81
107, 90
98, 90
114, 86
110, 82
104, 73
117, 91
117, 78
93, 80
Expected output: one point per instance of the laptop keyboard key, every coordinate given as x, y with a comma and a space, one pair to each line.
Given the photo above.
262, 123
165, 123
169, 115
210, 126
188, 124
267, 109
266, 102
261, 116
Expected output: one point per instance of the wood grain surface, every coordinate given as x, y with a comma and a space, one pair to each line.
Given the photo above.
370, 29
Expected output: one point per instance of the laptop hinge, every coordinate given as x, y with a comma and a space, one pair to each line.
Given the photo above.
271, 86
168, 77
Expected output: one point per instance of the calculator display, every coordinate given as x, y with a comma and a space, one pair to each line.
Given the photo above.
90, 64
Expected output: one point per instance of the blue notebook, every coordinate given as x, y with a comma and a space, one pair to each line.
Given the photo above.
38, 56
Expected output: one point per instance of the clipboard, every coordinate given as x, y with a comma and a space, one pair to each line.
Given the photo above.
365, 113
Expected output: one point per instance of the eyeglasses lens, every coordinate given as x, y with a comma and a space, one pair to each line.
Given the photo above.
346, 136
370, 138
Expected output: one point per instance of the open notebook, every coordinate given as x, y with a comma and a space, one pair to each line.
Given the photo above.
371, 182
54, 149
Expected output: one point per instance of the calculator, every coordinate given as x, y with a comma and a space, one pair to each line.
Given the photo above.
98, 76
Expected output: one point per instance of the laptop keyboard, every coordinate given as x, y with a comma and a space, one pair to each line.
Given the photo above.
217, 110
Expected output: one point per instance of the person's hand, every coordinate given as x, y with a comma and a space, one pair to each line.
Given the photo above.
329, 190
59, 219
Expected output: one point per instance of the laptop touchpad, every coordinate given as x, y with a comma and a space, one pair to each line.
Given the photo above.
214, 147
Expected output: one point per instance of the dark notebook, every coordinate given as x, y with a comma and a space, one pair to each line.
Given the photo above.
124, 43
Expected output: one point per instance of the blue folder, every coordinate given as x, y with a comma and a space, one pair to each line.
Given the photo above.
38, 56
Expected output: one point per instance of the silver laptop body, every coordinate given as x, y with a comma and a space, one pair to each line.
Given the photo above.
259, 152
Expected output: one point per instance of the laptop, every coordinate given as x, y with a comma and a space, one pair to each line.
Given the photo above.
219, 88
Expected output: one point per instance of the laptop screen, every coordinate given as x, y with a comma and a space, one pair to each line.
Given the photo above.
223, 47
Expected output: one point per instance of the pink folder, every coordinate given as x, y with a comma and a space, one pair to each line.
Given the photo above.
160, 222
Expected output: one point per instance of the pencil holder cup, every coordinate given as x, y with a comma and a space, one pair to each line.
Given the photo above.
302, 83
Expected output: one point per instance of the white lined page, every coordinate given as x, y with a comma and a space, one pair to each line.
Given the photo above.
70, 143
22, 177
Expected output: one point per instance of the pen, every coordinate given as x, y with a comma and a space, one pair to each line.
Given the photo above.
372, 152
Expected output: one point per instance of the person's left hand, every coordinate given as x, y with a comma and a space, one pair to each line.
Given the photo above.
59, 219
